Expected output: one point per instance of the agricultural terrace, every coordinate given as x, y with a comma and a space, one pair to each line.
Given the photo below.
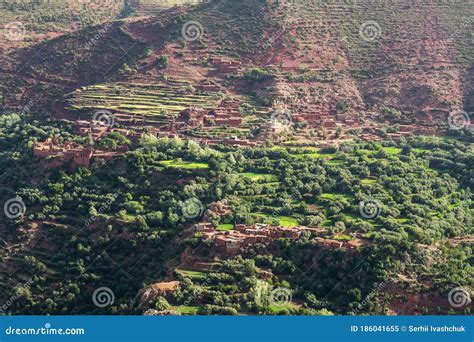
157, 103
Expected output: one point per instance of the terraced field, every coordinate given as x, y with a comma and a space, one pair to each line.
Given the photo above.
219, 132
157, 102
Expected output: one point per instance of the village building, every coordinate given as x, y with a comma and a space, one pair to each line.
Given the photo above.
80, 156
229, 243
204, 227
152, 292
209, 86
235, 141
97, 130
225, 66
226, 114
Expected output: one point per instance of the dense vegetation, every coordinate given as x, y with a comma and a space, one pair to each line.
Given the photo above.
123, 220
124, 223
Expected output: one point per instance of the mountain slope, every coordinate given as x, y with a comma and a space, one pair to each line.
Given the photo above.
324, 62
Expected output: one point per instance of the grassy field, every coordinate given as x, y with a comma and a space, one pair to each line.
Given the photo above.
259, 176
285, 221
332, 196
392, 150
186, 310
276, 309
368, 181
190, 273
313, 152
225, 227
176, 164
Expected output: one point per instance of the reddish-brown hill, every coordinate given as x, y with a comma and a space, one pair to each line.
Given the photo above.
348, 63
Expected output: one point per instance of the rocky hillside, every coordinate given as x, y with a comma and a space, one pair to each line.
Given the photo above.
348, 63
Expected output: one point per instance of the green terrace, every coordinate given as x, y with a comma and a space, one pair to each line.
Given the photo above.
158, 101
190, 273
306, 152
180, 164
284, 221
219, 132
225, 227
260, 177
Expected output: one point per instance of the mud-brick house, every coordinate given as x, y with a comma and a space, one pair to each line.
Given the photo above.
229, 243
253, 238
193, 116
406, 128
82, 127
227, 67
234, 141
329, 123
97, 130
285, 232
426, 130
240, 227
438, 113
230, 103
209, 86
80, 156
49, 148
204, 227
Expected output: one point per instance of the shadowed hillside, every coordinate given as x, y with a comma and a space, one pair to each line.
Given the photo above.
347, 64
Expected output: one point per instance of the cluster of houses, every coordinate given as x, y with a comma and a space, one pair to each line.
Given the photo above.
232, 242
225, 66
226, 114
80, 156
227, 141
96, 130
77, 154
408, 129
319, 118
